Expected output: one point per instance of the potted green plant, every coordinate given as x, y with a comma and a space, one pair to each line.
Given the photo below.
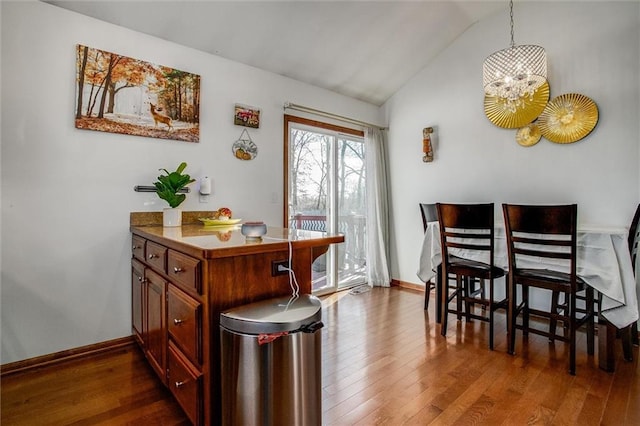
168, 186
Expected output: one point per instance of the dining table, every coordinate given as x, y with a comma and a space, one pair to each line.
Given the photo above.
603, 262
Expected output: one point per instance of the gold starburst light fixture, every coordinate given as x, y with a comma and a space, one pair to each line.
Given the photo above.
515, 72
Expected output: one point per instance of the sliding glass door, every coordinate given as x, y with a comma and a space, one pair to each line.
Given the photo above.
326, 192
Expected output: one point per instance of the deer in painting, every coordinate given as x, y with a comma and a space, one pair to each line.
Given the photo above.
158, 117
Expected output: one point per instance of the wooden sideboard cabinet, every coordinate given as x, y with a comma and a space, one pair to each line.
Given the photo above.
183, 278
167, 320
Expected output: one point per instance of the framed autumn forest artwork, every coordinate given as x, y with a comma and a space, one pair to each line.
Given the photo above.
119, 94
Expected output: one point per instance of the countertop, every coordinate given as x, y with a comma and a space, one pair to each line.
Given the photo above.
224, 241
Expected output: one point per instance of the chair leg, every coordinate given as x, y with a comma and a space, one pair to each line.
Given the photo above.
443, 323
590, 321
491, 311
444, 303
634, 334
427, 294
468, 288
572, 334
482, 293
525, 310
439, 290
553, 322
511, 316
606, 345
459, 285
627, 346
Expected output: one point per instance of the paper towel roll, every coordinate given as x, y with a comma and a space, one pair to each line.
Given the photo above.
205, 185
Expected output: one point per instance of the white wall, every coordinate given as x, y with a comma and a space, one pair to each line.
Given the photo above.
593, 48
67, 193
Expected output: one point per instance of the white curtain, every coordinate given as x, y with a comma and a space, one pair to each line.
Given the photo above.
377, 209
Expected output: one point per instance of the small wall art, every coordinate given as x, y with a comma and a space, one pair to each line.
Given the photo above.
246, 116
427, 147
244, 148
118, 94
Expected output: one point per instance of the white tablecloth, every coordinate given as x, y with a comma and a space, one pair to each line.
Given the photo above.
604, 263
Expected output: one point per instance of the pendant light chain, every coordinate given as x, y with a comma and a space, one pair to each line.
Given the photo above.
511, 16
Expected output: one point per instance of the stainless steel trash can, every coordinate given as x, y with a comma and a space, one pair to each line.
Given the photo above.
271, 362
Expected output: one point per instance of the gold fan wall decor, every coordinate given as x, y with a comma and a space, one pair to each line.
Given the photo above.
528, 135
504, 115
568, 118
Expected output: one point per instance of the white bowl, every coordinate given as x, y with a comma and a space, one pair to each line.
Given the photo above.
253, 229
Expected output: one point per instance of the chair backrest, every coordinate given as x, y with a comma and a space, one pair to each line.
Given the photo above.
541, 231
466, 227
428, 213
634, 237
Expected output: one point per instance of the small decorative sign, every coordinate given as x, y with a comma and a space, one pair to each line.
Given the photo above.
427, 149
246, 116
244, 148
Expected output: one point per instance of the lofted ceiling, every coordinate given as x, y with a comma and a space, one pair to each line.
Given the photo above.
362, 49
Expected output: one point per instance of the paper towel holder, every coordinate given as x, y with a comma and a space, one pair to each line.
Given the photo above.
148, 188
205, 185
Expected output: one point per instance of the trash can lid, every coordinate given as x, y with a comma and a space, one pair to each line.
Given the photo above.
273, 315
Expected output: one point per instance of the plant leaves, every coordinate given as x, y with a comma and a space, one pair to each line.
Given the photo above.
169, 184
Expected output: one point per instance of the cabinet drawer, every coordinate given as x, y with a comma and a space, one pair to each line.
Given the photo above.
184, 318
156, 256
185, 383
184, 270
137, 247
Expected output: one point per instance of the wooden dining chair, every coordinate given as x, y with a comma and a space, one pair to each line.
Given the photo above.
629, 335
469, 228
535, 235
429, 214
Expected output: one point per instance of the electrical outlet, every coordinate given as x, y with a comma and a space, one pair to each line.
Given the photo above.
279, 267
204, 198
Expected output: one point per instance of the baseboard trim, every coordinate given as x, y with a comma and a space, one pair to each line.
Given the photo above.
66, 355
405, 284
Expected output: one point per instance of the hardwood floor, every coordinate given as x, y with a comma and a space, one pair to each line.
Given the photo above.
113, 388
384, 362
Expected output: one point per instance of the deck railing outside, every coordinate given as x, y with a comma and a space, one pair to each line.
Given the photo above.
352, 253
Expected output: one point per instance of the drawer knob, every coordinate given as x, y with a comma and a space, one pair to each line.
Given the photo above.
140, 279
151, 256
177, 270
180, 384
177, 321
135, 247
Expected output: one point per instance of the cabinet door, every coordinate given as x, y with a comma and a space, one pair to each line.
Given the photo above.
156, 335
184, 317
138, 300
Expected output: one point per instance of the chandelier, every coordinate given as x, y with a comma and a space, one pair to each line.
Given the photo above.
514, 73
